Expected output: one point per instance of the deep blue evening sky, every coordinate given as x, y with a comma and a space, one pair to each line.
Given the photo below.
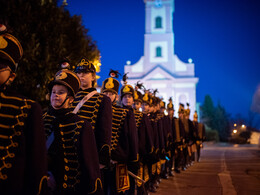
221, 36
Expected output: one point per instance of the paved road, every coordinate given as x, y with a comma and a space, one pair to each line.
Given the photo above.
223, 169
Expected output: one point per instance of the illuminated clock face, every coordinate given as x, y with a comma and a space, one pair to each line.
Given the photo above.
158, 3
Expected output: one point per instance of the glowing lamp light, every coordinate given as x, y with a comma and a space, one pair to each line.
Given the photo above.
235, 125
128, 62
190, 60
234, 131
243, 126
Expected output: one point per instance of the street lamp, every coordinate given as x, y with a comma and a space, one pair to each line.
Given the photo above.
235, 131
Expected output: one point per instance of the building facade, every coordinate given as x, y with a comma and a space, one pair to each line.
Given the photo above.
159, 67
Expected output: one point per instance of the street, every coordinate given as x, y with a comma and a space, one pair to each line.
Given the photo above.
223, 169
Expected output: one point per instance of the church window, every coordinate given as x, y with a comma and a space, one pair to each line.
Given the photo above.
158, 22
158, 52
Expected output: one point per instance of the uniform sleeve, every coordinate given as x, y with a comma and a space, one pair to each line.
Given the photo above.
103, 130
36, 154
91, 172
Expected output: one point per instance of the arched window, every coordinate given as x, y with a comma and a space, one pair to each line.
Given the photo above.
158, 52
158, 22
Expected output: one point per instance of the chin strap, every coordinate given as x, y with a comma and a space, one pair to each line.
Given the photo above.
63, 102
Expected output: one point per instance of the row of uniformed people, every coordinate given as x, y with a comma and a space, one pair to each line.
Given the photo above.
91, 147
121, 134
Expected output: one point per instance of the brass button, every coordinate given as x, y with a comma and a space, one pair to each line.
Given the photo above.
65, 177
67, 168
65, 160
65, 185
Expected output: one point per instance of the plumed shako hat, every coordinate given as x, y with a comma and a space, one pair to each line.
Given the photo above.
10, 48
67, 78
111, 84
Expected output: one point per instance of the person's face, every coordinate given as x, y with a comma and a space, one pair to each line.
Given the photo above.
145, 107
58, 96
180, 115
195, 119
128, 100
151, 109
162, 110
137, 105
6, 74
170, 113
86, 79
158, 107
111, 95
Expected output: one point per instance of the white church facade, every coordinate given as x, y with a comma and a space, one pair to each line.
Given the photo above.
159, 67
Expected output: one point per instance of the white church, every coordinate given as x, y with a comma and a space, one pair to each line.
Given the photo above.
159, 67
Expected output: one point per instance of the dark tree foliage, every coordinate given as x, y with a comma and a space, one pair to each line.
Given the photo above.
216, 118
221, 123
208, 110
48, 33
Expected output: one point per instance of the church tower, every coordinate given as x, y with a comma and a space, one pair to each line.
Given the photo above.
159, 67
159, 38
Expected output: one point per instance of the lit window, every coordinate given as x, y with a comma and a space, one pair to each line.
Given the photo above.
158, 52
158, 22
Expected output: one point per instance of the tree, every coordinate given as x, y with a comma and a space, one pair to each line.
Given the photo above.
48, 33
221, 123
208, 110
216, 118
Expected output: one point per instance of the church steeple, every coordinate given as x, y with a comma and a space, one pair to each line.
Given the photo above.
159, 16
159, 36
159, 67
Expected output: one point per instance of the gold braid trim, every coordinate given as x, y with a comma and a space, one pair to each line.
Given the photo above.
16, 98
96, 183
40, 185
108, 148
137, 159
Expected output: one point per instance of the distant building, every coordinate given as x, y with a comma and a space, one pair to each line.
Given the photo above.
159, 67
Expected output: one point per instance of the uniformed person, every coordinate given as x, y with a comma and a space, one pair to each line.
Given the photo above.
170, 111
72, 154
189, 135
147, 108
178, 138
23, 157
167, 134
96, 108
123, 139
157, 123
200, 134
127, 100
145, 141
